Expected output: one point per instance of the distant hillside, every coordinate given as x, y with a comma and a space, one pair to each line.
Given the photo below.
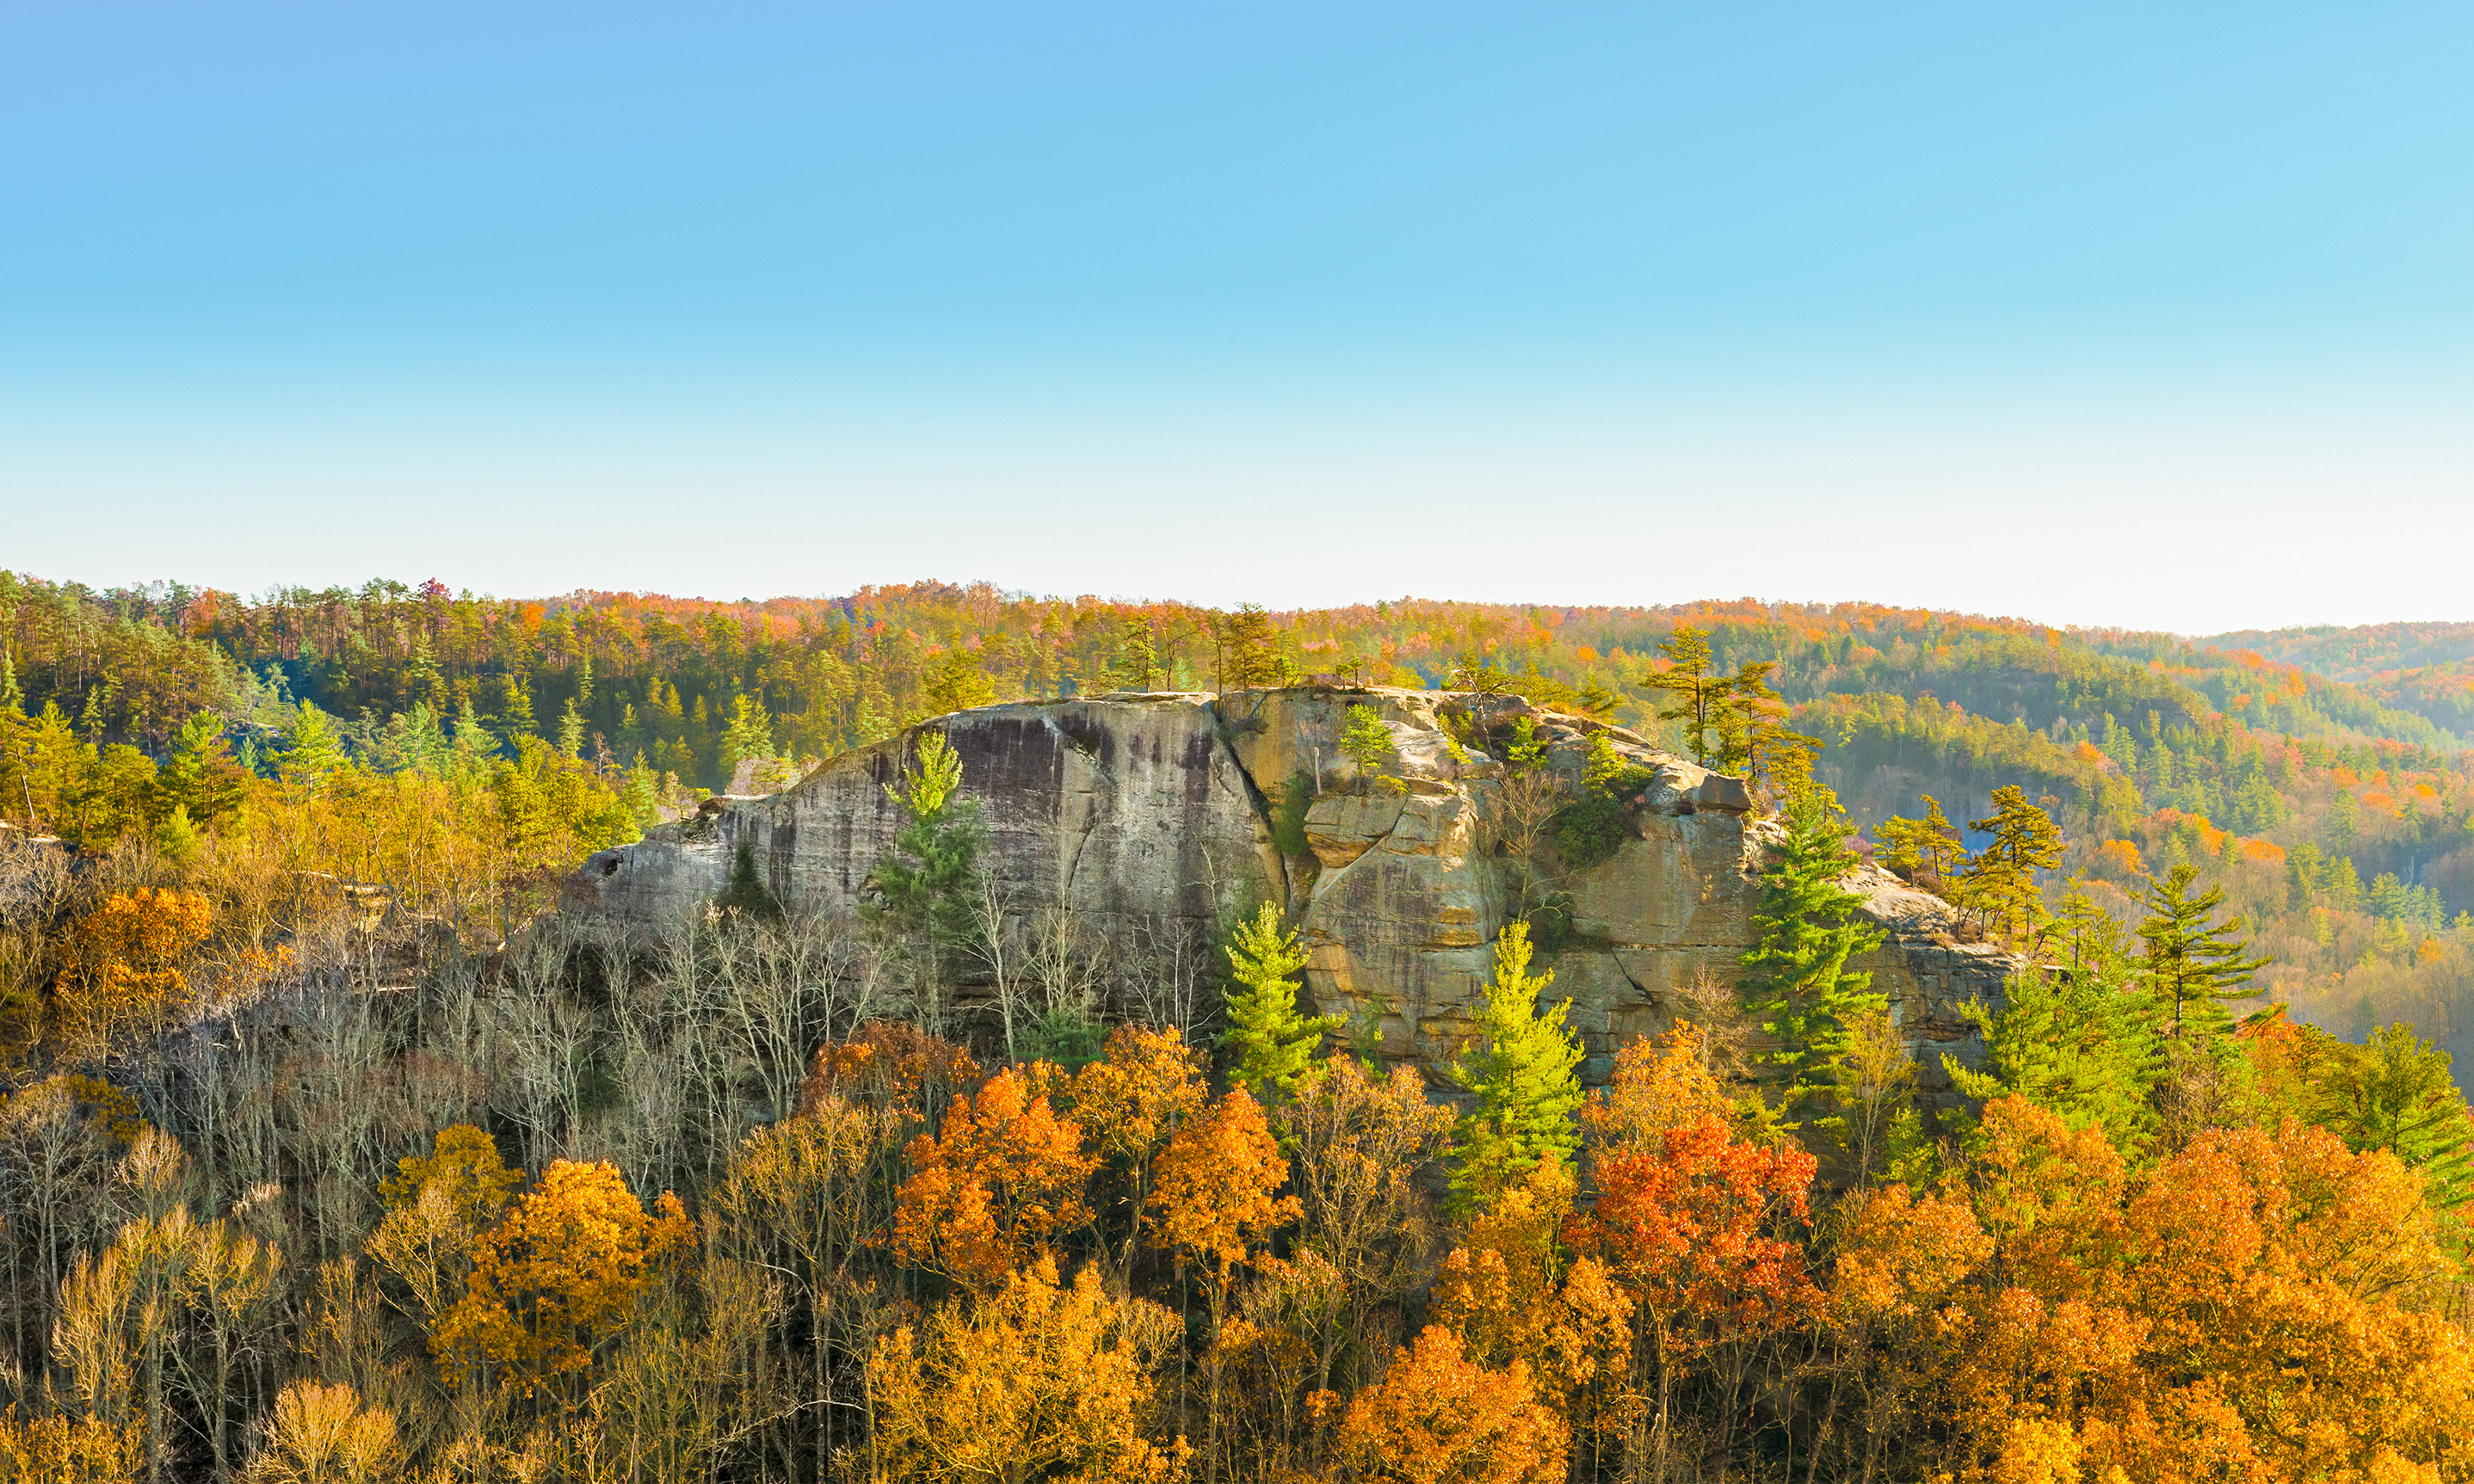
2426, 668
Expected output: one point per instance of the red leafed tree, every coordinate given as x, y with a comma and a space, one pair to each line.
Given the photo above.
1691, 1223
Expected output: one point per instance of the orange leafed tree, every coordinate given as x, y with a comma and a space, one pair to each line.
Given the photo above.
1512, 1292
1129, 1103
1436, 1418
558, 1277
127, 962
1005, 1176
2260, 1305
1212, 1187
1037, 1382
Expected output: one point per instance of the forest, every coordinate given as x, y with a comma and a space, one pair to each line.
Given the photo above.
330, 1151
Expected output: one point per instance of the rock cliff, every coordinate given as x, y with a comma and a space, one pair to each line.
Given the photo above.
1150, 821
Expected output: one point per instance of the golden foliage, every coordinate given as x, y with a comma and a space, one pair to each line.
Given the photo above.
557, 1276
128, 963
1214, 1183
66, 1450
1037, 1382
1436, 1418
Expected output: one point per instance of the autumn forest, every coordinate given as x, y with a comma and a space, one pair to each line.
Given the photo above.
331, 1151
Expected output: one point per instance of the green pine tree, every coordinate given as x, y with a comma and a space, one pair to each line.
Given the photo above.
1366, 742
1929, 853
925, 888
1698, 694
2079, 1044
312, 751
1269, 1040
745, 893
1796, 986
1248, 650
176, 837
516, 709
2395, 1093
2192, 963
750, 735
1522, 1074
1999, 884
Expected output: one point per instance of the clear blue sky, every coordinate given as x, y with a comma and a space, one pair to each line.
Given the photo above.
2153, 315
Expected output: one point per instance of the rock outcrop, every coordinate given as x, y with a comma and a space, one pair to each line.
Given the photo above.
1150, 820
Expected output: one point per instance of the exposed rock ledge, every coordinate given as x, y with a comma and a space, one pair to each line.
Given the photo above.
1148, 817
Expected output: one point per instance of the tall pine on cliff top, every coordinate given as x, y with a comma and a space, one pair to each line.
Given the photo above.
1269, 1039
1523, 1075
1795, 985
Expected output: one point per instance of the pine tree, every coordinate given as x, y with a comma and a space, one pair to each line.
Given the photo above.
2077, 1035
570, 732
925, 887
1137, 658
1269, 1040
2395, 1093
1698, 693
2194, 964
1928, 852
1366, 742
750, 735
1999, 883
312, 754
1796, 986
1248, 650
515, 708
1522, 1075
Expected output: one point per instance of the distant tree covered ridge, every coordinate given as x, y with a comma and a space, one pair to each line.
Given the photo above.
2337, 816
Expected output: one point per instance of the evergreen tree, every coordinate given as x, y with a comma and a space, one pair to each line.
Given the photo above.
2192, 962
570, 732
2395, 1093
1999, 883
312, 752
746, 891
925, 888
1137, 658
176, 837
958, 683
1698, 694
2076, 1035
474, 747
1269, 1040
1522, 1076
1248, 650
1929, 851
199, 776
750, 735
1366, 742
515, 708
1795, 985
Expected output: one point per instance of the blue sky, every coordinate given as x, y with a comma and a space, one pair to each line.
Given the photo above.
2149, 315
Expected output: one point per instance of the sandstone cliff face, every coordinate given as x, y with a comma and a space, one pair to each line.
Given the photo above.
1150, 816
